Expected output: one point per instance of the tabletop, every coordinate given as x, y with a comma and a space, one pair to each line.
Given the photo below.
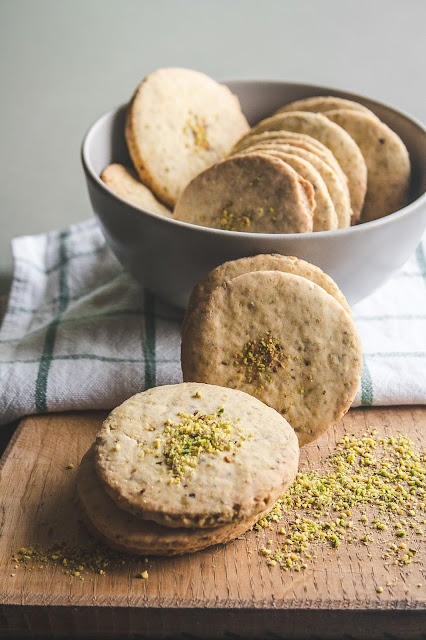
364, 587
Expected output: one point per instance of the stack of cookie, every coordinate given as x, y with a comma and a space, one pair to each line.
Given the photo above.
316, 165
178, 468
385, 188
279, 329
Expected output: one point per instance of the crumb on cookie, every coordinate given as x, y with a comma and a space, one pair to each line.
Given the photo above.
233, 221
198, 127
261, 357
193, 436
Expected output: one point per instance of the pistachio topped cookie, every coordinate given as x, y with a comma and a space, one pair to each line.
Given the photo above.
281, 338
337, 188
126, 532
324, 215
195, 455
254, 192
178, 123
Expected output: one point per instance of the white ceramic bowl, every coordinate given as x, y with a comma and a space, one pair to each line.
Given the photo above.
169, 257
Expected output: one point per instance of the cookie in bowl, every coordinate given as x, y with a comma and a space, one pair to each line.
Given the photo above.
254, 192
336, 186
179, 122
324, 214
387, 160
342, 145
124, 182
356, 257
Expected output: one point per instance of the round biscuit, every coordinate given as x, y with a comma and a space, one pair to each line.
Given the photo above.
322, 104
124, 182
344, 148
178, 123
338, 191
297, 139
253, 192
387, 160
262, 262
128, 533
324, 216
146, 457
282, 338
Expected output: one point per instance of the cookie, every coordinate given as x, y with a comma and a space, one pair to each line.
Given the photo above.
253, 192
296, 139
250, 138
195, 455
324, 216
387, 161
344, 148
180, 122
322, 104
124, 182
262, 262
281, 338
125, 532
339, 193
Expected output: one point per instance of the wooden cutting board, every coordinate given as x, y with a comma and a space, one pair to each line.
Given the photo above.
224, 591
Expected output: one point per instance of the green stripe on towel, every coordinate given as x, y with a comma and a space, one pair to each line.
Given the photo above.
366, 385
149, 350
421, 260
49, 342
62, 260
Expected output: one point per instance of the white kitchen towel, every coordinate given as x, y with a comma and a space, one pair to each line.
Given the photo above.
80, 333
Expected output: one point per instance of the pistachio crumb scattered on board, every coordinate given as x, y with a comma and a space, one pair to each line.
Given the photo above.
385, 475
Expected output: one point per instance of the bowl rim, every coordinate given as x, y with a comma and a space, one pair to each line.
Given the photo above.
298, 237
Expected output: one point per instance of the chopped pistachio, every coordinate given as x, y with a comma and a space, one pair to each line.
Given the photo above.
351, 481
261, 358
198, 127
194, 436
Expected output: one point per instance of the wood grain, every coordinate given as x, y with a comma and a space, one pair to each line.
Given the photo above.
224, 591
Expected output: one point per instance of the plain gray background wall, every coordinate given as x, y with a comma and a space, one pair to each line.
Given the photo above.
65, 62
